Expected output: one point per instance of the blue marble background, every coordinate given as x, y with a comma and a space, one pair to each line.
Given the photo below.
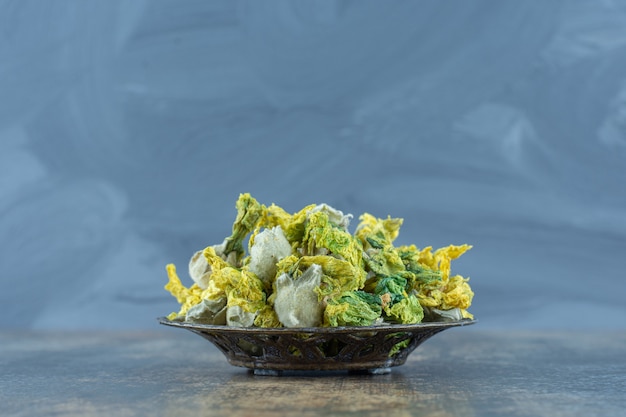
129, 128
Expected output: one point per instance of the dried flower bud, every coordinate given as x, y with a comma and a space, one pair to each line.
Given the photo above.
270, 246
297, 303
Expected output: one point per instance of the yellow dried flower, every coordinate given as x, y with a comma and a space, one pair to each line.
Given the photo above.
186, 297
458, 294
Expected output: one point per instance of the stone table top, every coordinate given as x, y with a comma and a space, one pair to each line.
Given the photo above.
169, 372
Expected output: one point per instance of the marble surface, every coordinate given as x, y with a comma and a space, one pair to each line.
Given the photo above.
129, 128
461, 372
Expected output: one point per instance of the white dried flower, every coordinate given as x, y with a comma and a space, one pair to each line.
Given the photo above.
200, 270
208, 312
270, 246
334, 216
297, 303
238, 317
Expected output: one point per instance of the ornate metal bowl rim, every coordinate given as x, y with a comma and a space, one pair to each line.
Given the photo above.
315, 330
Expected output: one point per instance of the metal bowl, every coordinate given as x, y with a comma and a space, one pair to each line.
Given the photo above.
271, 351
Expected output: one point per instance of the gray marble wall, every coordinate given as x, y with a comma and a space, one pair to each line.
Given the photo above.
129, 128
